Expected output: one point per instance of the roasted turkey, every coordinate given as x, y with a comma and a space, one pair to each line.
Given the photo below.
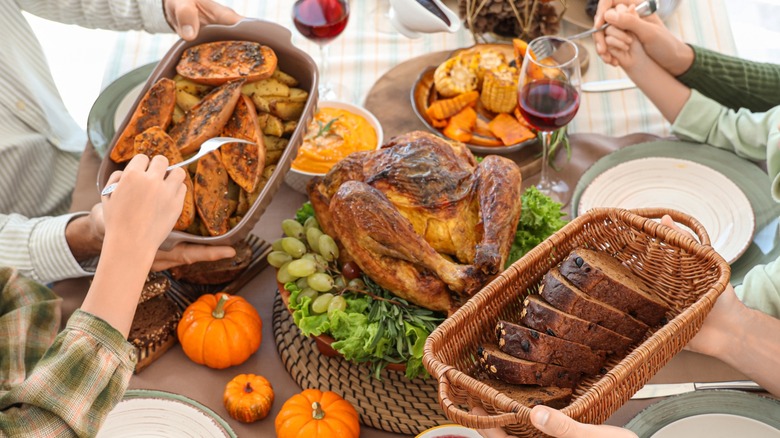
421, 217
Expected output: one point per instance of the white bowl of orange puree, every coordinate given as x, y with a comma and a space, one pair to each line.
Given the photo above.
337, 130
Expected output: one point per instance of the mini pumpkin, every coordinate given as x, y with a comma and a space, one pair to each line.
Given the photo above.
317, 414
220, 330
248, 398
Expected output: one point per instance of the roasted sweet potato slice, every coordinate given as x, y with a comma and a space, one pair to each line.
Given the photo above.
155, 141
244, 162
206, 119
155, 109
225, 61
211, 193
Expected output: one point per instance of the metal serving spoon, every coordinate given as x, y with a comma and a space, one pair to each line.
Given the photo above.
544, 48
206, 147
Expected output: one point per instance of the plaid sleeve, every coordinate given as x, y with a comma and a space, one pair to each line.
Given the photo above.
74, 386
733, 82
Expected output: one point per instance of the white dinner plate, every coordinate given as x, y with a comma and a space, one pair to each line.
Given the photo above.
147, 413
686, 186
710, 414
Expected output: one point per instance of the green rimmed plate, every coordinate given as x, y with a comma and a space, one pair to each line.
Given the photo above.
712, 414
749, 178
144, 413
117, 97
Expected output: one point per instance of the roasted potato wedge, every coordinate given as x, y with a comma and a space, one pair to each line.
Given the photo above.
271, 125
207, 118
185, 100
284, 78
244, 162
154, 109
298, 95
211, 194
191, 87
221, 62
155, 141
280, 106
266, 87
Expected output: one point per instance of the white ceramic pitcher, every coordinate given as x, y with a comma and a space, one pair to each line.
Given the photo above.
411, 17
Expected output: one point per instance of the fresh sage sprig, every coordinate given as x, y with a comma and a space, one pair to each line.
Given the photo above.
324, 129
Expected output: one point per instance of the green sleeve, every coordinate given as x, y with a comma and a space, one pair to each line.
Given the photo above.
761, 288
750, 135
734, 82
74, 386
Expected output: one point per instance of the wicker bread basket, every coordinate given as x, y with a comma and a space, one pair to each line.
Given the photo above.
687, 275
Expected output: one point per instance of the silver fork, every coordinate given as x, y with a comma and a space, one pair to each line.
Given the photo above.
206, 147
544, 48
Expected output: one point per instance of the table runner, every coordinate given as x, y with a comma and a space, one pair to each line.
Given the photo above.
364, 52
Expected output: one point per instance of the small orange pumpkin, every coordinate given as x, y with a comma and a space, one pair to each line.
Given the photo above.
248, 398
220, 330
317, 414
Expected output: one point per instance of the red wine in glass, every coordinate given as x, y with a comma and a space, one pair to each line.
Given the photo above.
320, 20
548, 104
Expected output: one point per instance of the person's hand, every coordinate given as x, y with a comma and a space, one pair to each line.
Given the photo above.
186, 16
722, 320
557, 424
625, 50
187, 253
661, 45
146, 203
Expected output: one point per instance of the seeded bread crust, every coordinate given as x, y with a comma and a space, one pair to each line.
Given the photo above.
156, 284
604, 278
522, 372
531, 395
525, 343
564, 296
543, 317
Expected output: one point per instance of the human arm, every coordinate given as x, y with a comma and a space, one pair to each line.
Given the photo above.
740, 336
731, 81
183, 16
556, 424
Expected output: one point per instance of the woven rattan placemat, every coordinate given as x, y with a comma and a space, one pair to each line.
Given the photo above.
393, 404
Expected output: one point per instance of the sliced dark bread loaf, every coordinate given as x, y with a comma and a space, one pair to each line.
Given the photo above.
563, 295
153, 330
529, 344
531, 395
540, 315
604, 278
510, 369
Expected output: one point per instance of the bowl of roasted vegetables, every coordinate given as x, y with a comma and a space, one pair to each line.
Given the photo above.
471, 97
246, 81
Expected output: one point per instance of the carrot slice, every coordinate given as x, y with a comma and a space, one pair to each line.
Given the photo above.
509, 130
461, 125
446, 108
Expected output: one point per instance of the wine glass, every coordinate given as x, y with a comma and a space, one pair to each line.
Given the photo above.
549, 96
321, 21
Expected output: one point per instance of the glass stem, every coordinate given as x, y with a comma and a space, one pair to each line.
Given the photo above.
324, 66
543, 181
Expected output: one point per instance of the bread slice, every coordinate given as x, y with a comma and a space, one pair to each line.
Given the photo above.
564, 296
529, 344
531, 395
604, 278
510, 369
540, 315
153, 330
156, 284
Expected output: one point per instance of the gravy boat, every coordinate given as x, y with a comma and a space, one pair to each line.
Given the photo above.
415, 17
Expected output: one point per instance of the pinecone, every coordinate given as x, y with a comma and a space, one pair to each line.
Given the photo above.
499, 17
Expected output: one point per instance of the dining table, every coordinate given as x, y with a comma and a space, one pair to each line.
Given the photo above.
379, 66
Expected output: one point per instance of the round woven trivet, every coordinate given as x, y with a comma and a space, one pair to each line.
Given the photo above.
393, 404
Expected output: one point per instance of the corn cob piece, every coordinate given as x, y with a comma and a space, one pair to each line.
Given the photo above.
499, 90
456, 75
490, 60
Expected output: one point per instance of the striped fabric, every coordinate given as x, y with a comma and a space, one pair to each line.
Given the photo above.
59, 386
365, 51
40, 143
